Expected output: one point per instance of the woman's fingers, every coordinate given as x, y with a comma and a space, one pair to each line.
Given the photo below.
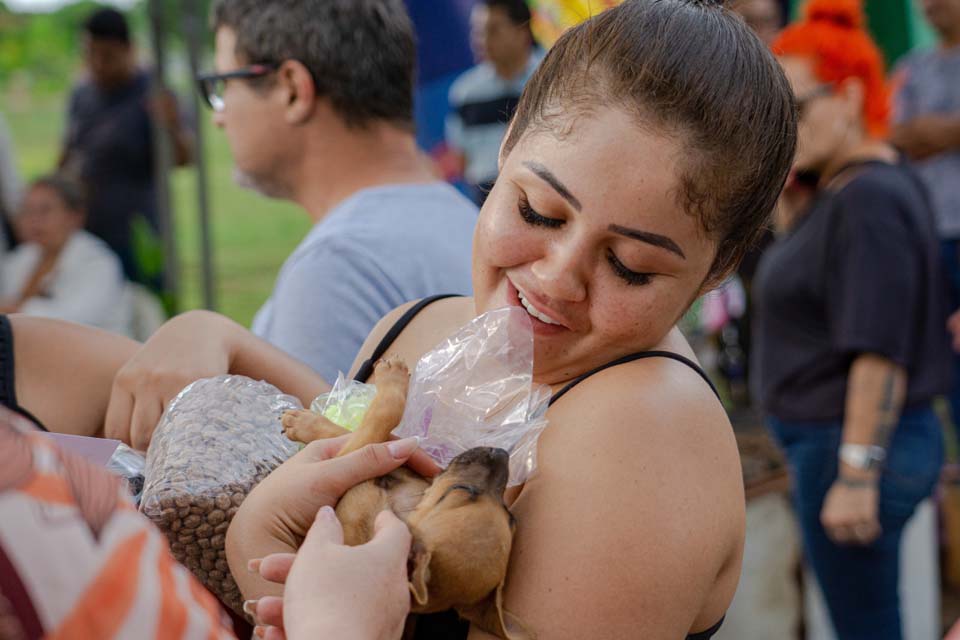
275, 567
119, 410
323, 449
326, 529
338, 475
146, 414
390, 532
269, 611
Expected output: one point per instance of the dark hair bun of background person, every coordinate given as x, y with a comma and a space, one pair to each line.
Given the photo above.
107, 24
70, 191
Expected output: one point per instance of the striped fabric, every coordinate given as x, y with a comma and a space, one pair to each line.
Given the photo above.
78, 561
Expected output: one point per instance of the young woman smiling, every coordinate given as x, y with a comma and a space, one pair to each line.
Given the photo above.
644, 158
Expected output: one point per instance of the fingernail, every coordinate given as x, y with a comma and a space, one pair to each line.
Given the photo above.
253, 566
260, 632
401, 449
250, 608
327, 512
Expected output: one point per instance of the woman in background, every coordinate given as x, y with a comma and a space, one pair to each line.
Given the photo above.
851, 345
59, 270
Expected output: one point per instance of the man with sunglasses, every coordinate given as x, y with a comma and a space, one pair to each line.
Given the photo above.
316, 100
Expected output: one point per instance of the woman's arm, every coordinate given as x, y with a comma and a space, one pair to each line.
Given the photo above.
633, 525
194, 345
63, 372
876, 389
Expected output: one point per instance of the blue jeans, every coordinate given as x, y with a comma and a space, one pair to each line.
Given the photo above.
950, 255
860, 582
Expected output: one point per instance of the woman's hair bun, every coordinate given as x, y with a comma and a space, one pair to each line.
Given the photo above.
842, 13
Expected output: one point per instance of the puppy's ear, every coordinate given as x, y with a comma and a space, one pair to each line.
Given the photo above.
490, 616
419, 562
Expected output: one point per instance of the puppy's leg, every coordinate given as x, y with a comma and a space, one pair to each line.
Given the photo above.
306, 426
392, 379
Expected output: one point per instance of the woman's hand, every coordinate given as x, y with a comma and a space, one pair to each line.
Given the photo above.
190, 346
333, 591
277, 514
953, 325
849, 513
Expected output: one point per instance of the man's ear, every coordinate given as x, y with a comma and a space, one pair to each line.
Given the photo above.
419, 573
301, 93
490, 616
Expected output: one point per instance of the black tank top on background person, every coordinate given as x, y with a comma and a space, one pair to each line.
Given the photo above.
447, 625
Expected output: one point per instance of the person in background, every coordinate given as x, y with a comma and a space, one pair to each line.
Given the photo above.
306, 123
483, 99
59, 270
927, 131
765, 17
9, 189
850, 338
112, 117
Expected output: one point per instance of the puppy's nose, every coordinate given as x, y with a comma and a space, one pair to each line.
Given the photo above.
494, 461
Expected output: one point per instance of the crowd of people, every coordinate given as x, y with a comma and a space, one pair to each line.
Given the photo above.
636, 165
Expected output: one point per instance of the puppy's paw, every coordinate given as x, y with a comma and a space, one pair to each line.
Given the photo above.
393, 374
306, 426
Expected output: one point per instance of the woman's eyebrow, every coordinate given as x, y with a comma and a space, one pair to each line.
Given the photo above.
655, 239
552, 180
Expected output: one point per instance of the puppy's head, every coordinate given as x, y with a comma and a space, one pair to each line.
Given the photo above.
462, 533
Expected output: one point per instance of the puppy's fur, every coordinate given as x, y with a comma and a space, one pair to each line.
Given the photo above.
462, 531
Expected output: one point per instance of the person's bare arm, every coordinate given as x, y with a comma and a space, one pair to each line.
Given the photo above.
876, 390
194, 345
927, 135
64, 371
633, 525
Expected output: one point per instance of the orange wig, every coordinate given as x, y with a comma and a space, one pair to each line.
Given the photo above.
832, 34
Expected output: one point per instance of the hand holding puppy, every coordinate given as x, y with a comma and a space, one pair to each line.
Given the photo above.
325, 579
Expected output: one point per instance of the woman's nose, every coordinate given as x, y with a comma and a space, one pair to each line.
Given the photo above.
561, 273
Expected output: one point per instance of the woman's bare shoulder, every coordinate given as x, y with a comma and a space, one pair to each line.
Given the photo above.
637, 511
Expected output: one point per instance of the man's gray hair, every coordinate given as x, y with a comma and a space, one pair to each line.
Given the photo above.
360, 53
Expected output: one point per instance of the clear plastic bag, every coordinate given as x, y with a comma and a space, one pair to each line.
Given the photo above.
346, 403
475, 389
218, 439
129, 464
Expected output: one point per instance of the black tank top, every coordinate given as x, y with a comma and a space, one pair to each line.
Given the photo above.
448, 625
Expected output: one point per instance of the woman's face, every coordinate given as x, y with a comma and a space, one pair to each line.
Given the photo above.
828, 116
587, 232
45, 220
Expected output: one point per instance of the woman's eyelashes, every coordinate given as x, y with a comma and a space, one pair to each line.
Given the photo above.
627, 275
532, 217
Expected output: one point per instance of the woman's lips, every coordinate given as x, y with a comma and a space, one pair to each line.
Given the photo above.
552, 325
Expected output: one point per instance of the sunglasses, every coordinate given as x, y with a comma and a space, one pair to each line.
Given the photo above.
803, 102
211, 85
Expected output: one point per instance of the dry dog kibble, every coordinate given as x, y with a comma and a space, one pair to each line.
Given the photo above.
217, 440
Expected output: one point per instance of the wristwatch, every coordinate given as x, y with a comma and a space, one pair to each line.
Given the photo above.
864, 457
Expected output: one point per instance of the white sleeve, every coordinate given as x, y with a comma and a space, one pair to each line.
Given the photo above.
88, 289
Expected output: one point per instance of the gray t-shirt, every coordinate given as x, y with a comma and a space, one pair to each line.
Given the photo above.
379, 248
929, 83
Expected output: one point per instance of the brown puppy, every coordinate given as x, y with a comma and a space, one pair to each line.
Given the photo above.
462, 531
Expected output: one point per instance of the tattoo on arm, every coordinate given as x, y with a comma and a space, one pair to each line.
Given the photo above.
889, 411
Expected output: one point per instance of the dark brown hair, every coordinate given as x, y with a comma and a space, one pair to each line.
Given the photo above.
69, 191
361, 54
696, 70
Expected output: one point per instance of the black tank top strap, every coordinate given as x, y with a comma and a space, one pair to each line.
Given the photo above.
8, 390
708, 633
638, 356
366, 369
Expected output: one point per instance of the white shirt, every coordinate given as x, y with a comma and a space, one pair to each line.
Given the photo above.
86, 284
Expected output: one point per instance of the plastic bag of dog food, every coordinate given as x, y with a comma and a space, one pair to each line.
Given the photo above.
218, 439
475, 389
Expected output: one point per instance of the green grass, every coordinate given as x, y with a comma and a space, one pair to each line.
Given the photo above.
251, 235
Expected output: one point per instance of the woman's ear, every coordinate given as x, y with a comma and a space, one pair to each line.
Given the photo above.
853, 92
300, 91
